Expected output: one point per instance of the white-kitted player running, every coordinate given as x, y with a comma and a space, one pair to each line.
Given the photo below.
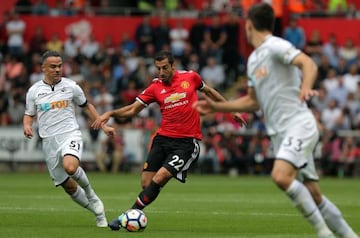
52, 101
280, 91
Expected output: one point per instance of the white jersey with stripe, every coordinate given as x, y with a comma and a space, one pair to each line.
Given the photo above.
277, 84
54, 106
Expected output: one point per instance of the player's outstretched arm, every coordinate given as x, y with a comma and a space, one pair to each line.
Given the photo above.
123, 112
247, 103
91, 112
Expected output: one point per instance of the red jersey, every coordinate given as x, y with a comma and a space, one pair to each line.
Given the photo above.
179, 119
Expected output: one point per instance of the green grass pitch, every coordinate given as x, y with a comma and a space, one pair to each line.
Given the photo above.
204, 207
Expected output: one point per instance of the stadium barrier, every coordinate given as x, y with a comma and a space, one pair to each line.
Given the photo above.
15, 148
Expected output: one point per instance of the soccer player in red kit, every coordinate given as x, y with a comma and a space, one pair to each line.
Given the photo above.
175, 146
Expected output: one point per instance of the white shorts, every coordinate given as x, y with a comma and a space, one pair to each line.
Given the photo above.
55, 148
296, 145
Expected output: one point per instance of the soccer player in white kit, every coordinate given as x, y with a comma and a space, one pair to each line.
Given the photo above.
52, 101
275, 87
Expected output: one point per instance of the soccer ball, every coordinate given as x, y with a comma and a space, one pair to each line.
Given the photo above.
134, 220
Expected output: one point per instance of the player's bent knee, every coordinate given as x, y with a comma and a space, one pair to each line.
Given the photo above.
283, 182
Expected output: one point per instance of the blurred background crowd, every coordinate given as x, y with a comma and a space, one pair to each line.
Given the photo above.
113, 73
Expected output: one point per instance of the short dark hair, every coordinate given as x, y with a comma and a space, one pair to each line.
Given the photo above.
164, 55
262, 16
49, 53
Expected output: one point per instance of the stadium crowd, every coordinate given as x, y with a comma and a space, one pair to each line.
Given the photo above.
113, 73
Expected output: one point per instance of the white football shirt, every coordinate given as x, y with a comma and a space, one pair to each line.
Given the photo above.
54, 106
277, 84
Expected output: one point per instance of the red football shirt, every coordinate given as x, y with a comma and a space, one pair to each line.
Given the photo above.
179, 119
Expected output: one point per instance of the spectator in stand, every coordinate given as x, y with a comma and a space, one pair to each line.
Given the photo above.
54, 44
117, 73
313, 46
331, 50
178, 38
349, 52
15, 29
23, 6
100, 55
343, 122
339, 93
87, 9
323, 70
103, 101
337, 7
330, 114
295, 34
36, 74
193, 63
129, 94
127, 44
352, 79
149, 56
144, 34
16, 109
90, 47
196, 33
353, 105
231, 57
162, 33
188, 51
38, 41
215, 37
331, 82
72, 45
14, 69
331, 152
69, 8
95, 80
109, 45
213, 74
40, 8
58, 9
342, 67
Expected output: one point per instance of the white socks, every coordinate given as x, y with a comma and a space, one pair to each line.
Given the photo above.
80, 198
304, 202
80, 177
335, 220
